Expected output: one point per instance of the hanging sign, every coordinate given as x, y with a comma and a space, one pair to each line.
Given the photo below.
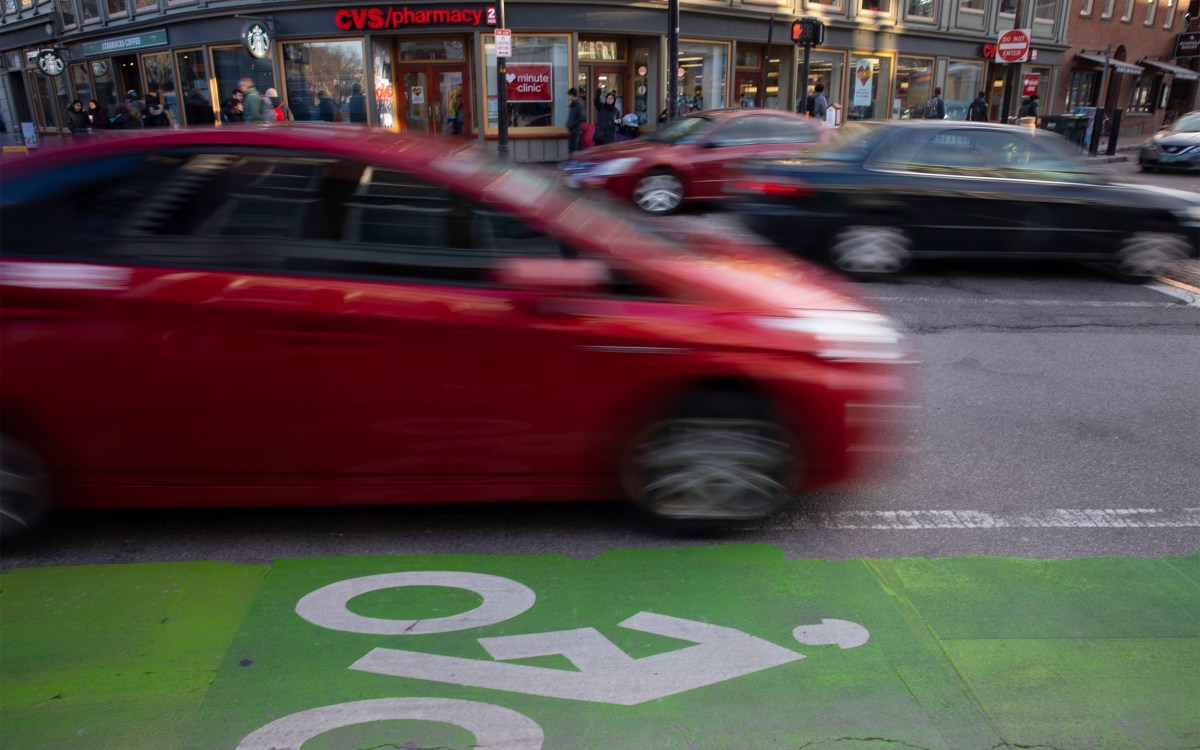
530, 82
864, 72
256, 39
50, 62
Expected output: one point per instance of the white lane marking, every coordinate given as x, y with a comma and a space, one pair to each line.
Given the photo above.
1061, 518
1029, 302
494, 727
1191, 298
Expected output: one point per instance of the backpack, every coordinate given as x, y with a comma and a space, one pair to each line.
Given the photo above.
929, 111
812, 102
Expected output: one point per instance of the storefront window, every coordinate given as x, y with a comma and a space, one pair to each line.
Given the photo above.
106, 90
160, 81
645, 85
82, 84
963, 81
1082, 89
91, 9
1142, 96
51, 93
322, 77
232, 64
539, 75
432, 49
193, 74
914, 84
601, 50
868, 99
385, 99
825, 68
702, 76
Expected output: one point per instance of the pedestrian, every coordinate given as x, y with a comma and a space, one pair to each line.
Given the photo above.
356, 106
129, 117
1029, 108
326, 108
197, 110
279, 111
575, 119
935, 106
78, 121
818, 105
98, 115
232, 111
608, 117
252, 104
977, 111
156, 115
131, 96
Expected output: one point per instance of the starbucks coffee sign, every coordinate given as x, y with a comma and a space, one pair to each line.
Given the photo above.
256, 39
50, 62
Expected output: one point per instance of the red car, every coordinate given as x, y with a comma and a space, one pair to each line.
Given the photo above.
289, 315
687, 160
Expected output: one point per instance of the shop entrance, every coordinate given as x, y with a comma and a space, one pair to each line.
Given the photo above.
129, 77
608, 77
747, 89
435, 100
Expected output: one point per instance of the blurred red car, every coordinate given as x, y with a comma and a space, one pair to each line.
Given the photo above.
687, 160
288, 315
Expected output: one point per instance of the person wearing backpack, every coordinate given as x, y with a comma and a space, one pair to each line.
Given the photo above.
818, 105
935, 106
978, 111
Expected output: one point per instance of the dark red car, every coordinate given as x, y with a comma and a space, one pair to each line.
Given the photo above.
289, 315
688, 159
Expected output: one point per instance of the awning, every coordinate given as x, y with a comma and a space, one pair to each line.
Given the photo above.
1118, 65
1181, 74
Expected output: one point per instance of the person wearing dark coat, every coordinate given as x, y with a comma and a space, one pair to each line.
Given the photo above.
156, 114
197, 110
978, 110
78, 121
97, 114
575, 119
129, 117
356, 106
608, 117
326, 108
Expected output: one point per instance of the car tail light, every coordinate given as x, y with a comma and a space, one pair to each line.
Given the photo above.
771, 188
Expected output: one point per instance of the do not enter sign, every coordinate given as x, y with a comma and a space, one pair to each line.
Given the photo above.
1013, 46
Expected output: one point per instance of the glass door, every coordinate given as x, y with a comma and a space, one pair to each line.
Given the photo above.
592, 78
435, 101
747, 89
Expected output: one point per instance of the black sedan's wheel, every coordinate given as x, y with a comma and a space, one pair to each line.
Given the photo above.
24, 488
721, 459
1149, 254
659, 192
870, 250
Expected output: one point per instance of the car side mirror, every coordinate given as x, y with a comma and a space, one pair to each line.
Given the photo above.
553, 275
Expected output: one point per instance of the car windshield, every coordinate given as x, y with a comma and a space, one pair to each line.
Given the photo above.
1186, 124
686, 130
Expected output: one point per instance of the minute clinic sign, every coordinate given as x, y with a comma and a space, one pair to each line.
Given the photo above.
1013, 46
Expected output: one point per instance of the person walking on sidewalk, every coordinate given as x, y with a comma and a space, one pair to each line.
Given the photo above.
575, 119
978, 110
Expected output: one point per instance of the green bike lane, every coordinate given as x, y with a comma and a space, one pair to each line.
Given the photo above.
726, 646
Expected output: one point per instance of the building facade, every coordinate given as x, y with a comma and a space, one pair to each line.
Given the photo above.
1145, 79
430, 67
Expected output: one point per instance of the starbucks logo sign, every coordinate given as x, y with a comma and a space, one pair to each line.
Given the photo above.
50, 62
256, 39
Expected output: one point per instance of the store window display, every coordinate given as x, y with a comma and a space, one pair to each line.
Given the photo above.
702, 76
539, 79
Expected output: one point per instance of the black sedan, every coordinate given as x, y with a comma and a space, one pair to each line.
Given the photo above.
886, 192
1176, 146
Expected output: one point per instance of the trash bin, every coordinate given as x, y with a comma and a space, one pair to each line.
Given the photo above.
1071, 127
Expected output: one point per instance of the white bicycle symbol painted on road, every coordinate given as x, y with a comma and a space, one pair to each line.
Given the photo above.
606, 674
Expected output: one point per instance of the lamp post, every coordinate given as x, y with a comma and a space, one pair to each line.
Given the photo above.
672, 59
501, 98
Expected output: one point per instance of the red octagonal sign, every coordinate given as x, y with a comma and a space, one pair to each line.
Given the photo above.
1013, 46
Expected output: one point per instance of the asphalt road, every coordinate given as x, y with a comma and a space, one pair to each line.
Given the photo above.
1061, 419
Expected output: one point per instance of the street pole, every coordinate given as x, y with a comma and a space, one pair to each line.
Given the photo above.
1012, 73
672, 59
502, 98
761, 99
1101, 108
804, 80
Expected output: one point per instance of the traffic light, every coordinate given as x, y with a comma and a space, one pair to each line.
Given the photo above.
808, 31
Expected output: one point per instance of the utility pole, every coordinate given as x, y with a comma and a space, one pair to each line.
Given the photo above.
672, 59
1012, 74
501, 98
760, 100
